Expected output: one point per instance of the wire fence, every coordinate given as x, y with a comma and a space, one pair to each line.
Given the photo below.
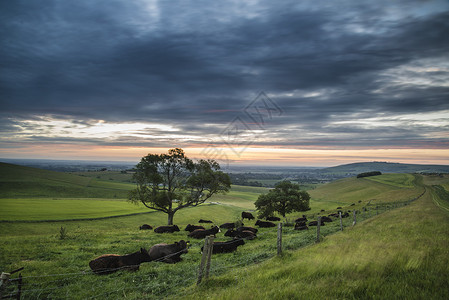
157, 280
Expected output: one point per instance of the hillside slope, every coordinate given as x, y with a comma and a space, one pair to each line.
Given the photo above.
385, 167
402, 254
20, 182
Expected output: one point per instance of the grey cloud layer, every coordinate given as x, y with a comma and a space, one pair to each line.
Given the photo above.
192, 65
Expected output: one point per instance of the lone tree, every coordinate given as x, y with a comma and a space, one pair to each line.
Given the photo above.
170, 182
286, 197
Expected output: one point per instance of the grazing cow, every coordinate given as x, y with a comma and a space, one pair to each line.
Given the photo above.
273, 219
202, 233
110, 263
265, 224
339, 207
227, 225
226, 247
299, 226
336, 215
191, 227
145, 227
168, 253
247, 215
352, 204
315, 223
345, 215
244, 234
204, 221
326, 219
247, 228
303, 219
166, 229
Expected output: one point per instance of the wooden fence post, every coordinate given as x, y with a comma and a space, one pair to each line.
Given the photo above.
209, 255
318, 230
4, 279
208, 244
279, 242
341, 221
355, 219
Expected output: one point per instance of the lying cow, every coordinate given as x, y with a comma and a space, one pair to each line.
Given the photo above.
227, 225
166, 229
298, 226
202, 233
204, 221
110, 263
302, 219
244, 234
226, 247
326, 219
273, 219
168, 253
265, 224
191, 227
247, 228
145, 227
247, 215
315, 223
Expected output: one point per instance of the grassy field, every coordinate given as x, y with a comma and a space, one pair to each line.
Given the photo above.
402, 254
345, 265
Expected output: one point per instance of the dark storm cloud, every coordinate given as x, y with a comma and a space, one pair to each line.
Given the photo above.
172, 63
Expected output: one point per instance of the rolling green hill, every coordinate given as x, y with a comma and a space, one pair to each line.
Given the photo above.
26, 182
384, 167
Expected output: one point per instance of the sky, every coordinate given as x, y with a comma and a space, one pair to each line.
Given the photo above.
293, 83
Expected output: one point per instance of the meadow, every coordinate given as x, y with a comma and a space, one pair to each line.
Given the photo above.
343, 265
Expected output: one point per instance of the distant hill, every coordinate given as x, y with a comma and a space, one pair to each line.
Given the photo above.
23, 182
384, 167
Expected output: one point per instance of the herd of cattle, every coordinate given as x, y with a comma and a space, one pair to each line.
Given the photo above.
171, 253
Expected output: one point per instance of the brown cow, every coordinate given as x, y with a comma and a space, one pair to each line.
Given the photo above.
168, 253
109, 263
202, 233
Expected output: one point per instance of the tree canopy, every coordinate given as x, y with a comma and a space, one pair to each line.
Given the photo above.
170, 182
286, 197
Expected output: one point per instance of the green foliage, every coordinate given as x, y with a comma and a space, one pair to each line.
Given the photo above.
368, 174
286, 197
62, 233
170, 182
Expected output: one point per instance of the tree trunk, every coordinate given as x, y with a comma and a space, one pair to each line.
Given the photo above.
171, 214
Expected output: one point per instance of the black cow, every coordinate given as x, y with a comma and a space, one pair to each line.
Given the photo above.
326, 219
166, 229
315, 223
145, 227
247, 228
226, 247
227, 225
302, 223
273, 219
302, 219
345, 215
265, 224
109, 263
244, 234
339, 207
191, 227
247, 215
204, 221
168, 253
301, 227
202, 233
